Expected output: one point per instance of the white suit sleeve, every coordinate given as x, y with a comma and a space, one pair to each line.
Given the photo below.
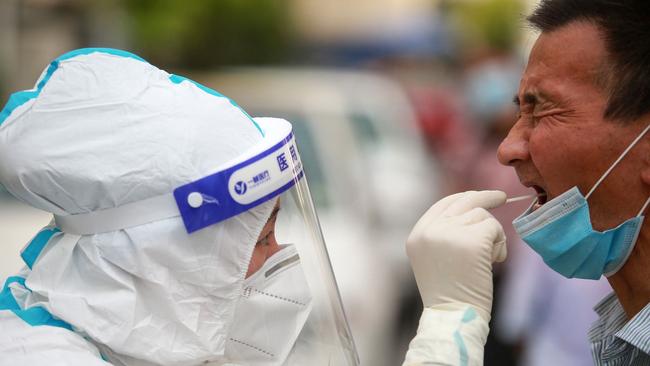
449, 334
24, 345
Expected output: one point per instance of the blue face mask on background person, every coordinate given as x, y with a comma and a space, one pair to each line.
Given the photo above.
561, 233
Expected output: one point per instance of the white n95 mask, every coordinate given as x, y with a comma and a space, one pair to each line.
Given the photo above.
271, 312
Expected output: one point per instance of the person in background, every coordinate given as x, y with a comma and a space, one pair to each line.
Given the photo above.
581, 141
543, 315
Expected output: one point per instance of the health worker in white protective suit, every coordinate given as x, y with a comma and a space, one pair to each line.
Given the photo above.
168, 204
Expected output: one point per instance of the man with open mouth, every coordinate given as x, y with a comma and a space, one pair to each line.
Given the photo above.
581, 141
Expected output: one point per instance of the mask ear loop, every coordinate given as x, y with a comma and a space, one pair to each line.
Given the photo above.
647, 203
636, 140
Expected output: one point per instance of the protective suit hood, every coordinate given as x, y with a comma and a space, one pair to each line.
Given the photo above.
103, 128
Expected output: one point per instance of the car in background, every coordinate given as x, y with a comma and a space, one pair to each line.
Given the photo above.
370, 177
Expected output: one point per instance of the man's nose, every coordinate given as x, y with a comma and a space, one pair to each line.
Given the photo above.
514, 148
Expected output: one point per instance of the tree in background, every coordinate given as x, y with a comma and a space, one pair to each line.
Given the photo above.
493, 24
209, 33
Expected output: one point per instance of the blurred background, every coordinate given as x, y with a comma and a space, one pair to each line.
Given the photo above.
395, 104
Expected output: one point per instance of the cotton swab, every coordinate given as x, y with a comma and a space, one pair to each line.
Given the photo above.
522, 198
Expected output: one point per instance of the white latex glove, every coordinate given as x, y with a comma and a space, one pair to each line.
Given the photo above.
452, 248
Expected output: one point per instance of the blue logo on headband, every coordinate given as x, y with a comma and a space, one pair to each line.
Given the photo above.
240, 187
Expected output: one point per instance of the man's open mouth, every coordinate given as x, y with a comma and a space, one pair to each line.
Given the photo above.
542, 197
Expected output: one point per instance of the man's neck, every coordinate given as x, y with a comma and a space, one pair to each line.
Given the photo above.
632, 282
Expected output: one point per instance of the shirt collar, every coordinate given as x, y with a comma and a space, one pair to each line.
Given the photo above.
611, 318
637, 331
607, 304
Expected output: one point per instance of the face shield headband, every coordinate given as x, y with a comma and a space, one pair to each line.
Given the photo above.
264, 172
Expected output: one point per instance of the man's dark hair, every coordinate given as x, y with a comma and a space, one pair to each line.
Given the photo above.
625, 26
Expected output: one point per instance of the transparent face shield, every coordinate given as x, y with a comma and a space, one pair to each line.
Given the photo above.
290, 312
280, 305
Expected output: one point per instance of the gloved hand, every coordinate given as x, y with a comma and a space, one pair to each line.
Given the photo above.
452, 248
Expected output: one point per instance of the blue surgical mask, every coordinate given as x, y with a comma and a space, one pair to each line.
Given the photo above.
562, 234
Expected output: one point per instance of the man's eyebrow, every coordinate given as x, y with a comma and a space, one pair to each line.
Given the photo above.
529, 98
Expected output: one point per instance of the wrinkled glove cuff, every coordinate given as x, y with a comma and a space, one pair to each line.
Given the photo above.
449, 334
